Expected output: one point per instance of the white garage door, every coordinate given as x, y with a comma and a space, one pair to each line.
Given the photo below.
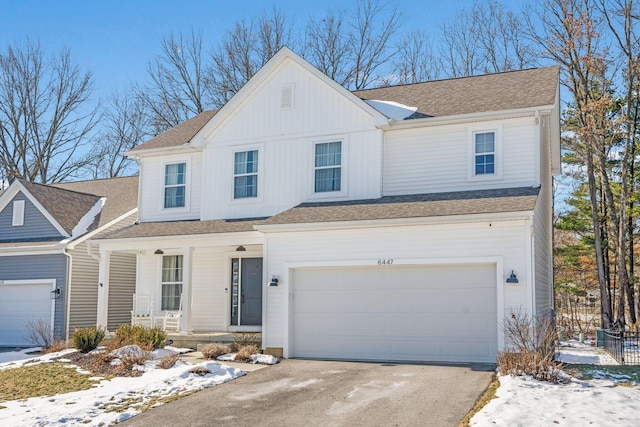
20, 303
413, 313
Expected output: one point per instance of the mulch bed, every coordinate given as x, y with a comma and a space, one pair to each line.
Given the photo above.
97, 365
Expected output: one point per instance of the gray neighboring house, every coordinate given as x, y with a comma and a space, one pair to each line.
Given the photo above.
48, 270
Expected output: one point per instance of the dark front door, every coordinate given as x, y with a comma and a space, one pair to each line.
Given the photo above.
246, 295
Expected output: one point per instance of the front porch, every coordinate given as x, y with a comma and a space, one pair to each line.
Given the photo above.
214, 281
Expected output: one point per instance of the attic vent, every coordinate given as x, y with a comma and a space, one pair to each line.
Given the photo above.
18, 213
286, 97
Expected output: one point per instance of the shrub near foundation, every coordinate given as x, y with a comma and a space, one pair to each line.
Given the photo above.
147, 338
211, 351
244, 353
87, 339
531, 343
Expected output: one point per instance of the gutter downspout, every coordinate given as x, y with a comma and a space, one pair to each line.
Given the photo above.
68, 295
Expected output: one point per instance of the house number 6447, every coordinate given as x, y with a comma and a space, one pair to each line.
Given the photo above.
385, 261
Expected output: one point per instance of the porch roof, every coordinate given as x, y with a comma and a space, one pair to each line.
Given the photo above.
505, 200
183, 228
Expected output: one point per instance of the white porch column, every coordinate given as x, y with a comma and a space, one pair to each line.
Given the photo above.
103, 288
185, 325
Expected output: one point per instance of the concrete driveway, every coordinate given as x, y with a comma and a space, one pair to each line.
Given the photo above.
327, 393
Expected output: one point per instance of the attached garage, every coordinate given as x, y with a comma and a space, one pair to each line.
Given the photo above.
402, 313
21, 302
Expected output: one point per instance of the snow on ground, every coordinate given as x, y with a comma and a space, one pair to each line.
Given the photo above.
523, 401
95, 406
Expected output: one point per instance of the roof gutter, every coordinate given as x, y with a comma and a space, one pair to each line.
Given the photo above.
169, 149
393, 222
466, 118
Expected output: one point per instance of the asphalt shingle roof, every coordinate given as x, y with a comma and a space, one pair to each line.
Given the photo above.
121, 194
184, 228
412, 206
65, 206
476, 94
178, 135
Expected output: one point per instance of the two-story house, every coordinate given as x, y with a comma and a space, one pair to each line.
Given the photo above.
398, 223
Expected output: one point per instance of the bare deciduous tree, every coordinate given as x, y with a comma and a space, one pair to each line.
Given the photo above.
124, 126
244, 49
46, 114
328, 46
352, 49
486, 38
177, 89
415, 60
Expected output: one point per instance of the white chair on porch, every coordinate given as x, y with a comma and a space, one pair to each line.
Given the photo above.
171, 319
142, 313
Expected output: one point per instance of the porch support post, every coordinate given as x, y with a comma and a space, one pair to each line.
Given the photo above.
185, 325
103, 288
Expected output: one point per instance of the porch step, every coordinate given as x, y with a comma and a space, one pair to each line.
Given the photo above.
199, 340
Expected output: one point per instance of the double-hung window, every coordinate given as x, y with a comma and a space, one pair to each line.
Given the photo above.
172, 266
175, 185
245, 174
484, 153
328, 167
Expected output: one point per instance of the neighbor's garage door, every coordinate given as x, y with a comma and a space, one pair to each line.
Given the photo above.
414, 313
19, 304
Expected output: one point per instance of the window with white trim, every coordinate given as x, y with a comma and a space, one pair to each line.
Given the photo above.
175, 185
484, 153
328, 167
18, 213
245, 174
172, 266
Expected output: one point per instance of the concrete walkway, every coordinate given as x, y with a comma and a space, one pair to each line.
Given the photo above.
325, 393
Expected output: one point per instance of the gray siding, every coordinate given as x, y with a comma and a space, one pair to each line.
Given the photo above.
122, 285
29, 267
36, 226
84, 289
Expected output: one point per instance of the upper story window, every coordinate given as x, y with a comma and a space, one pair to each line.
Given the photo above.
175, 185
172, 266
328, 167
245, 174
484, 153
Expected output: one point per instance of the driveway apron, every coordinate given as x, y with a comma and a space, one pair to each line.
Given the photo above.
330, 393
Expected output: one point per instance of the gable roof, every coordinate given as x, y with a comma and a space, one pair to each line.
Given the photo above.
178, 135
69, 203
490, 92
520, 199
65, 206
121, 195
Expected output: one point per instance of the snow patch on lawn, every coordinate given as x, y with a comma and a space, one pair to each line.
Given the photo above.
110, 401
524, 401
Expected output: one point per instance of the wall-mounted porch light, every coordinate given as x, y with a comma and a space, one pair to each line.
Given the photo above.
274, 281
159, 252
241, 249
56, 293
512, 278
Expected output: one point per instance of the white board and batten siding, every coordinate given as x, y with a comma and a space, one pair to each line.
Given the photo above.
151, 190
501, 244
436, 159
285, 138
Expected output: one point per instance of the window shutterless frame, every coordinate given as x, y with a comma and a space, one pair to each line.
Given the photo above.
484, 146
175, 185
245, 174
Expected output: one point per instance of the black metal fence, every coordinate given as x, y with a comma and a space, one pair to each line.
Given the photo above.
622, 345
